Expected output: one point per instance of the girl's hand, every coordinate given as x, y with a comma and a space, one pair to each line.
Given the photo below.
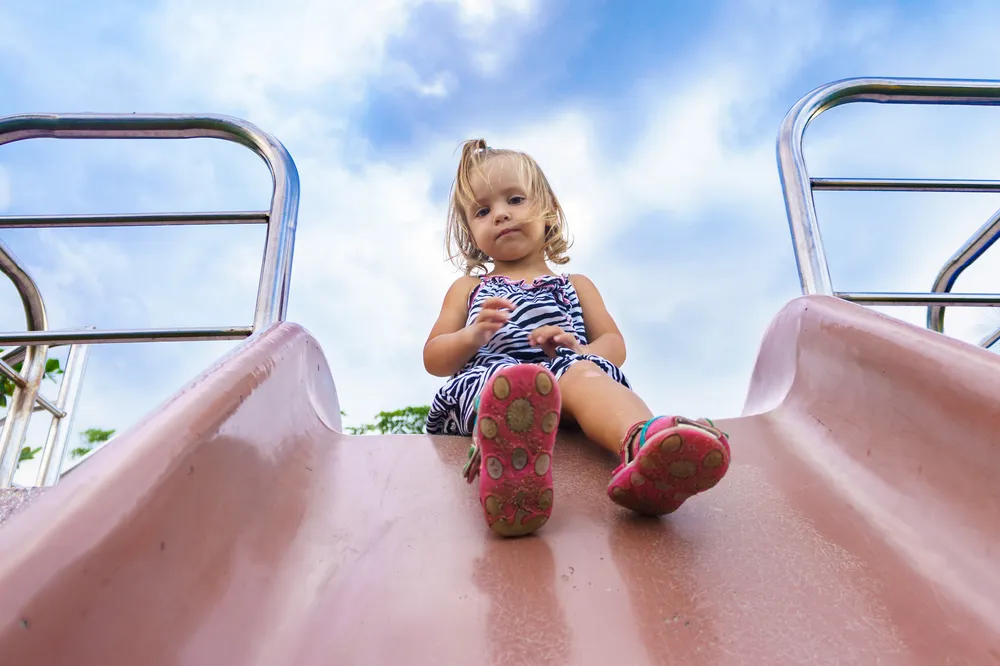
493, 317
551, 337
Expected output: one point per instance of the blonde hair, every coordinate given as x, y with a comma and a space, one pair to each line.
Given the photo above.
459, 243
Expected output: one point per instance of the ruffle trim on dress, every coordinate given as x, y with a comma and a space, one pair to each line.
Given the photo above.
540, 281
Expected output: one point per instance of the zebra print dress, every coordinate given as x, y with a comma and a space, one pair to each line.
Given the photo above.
548, 300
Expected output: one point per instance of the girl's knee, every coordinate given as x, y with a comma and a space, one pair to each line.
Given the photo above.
582, 369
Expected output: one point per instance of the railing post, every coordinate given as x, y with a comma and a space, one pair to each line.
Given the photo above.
22, 402
54, 452
15, 426
974, 248
800, 207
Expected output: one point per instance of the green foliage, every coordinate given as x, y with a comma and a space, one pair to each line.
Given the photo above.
91, 438
96, 436
52, 368
406, 421
28, 453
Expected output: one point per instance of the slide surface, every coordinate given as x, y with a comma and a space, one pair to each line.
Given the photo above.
858, 524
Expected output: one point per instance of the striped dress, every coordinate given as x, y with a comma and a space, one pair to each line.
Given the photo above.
548, 300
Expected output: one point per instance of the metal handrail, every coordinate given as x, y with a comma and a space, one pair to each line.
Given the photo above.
276, 267
132, 220
105, 336
22, 401
974, 248
930, 299
275, 276
990, 339
901, 185
16, 354
798, 187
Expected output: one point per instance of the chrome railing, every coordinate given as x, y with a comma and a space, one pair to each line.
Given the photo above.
275, 275
53, 453
798, 188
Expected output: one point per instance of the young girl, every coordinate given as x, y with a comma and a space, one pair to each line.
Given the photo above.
526, 349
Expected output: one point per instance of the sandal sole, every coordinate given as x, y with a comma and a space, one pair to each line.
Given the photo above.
673, 465
516, 428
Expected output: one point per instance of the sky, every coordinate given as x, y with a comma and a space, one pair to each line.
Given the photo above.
655, 123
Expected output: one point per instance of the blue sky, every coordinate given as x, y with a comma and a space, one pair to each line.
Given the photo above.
655, 122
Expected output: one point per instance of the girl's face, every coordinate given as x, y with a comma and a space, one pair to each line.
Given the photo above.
503, 222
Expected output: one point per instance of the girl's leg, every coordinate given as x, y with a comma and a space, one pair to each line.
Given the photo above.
664, 460
603, 408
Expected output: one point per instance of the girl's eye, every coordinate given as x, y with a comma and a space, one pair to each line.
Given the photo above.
516, 199
482, 211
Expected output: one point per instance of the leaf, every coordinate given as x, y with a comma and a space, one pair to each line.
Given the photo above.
52, 368
94, 436
28, 453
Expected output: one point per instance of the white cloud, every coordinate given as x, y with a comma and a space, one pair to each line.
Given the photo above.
401, 75
482, 13
436, 88
267, 58
252, 53
492, 49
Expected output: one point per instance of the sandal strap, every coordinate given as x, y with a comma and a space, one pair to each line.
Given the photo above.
471, 469
626, 452
703, 423
636, 435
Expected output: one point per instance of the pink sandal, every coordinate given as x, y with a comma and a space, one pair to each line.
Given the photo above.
517, 417
668, 461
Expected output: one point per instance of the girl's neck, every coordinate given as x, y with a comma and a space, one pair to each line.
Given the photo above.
522, 270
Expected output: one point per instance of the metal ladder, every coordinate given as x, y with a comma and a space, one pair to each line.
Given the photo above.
272, 291
53, 453
798, 188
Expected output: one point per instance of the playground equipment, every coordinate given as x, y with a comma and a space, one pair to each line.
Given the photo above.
53, 453
272, 293
857, 523
798, 188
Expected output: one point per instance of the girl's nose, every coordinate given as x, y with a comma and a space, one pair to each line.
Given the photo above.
500, 215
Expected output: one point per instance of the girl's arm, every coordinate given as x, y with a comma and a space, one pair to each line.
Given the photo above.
606, 340
450, 344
